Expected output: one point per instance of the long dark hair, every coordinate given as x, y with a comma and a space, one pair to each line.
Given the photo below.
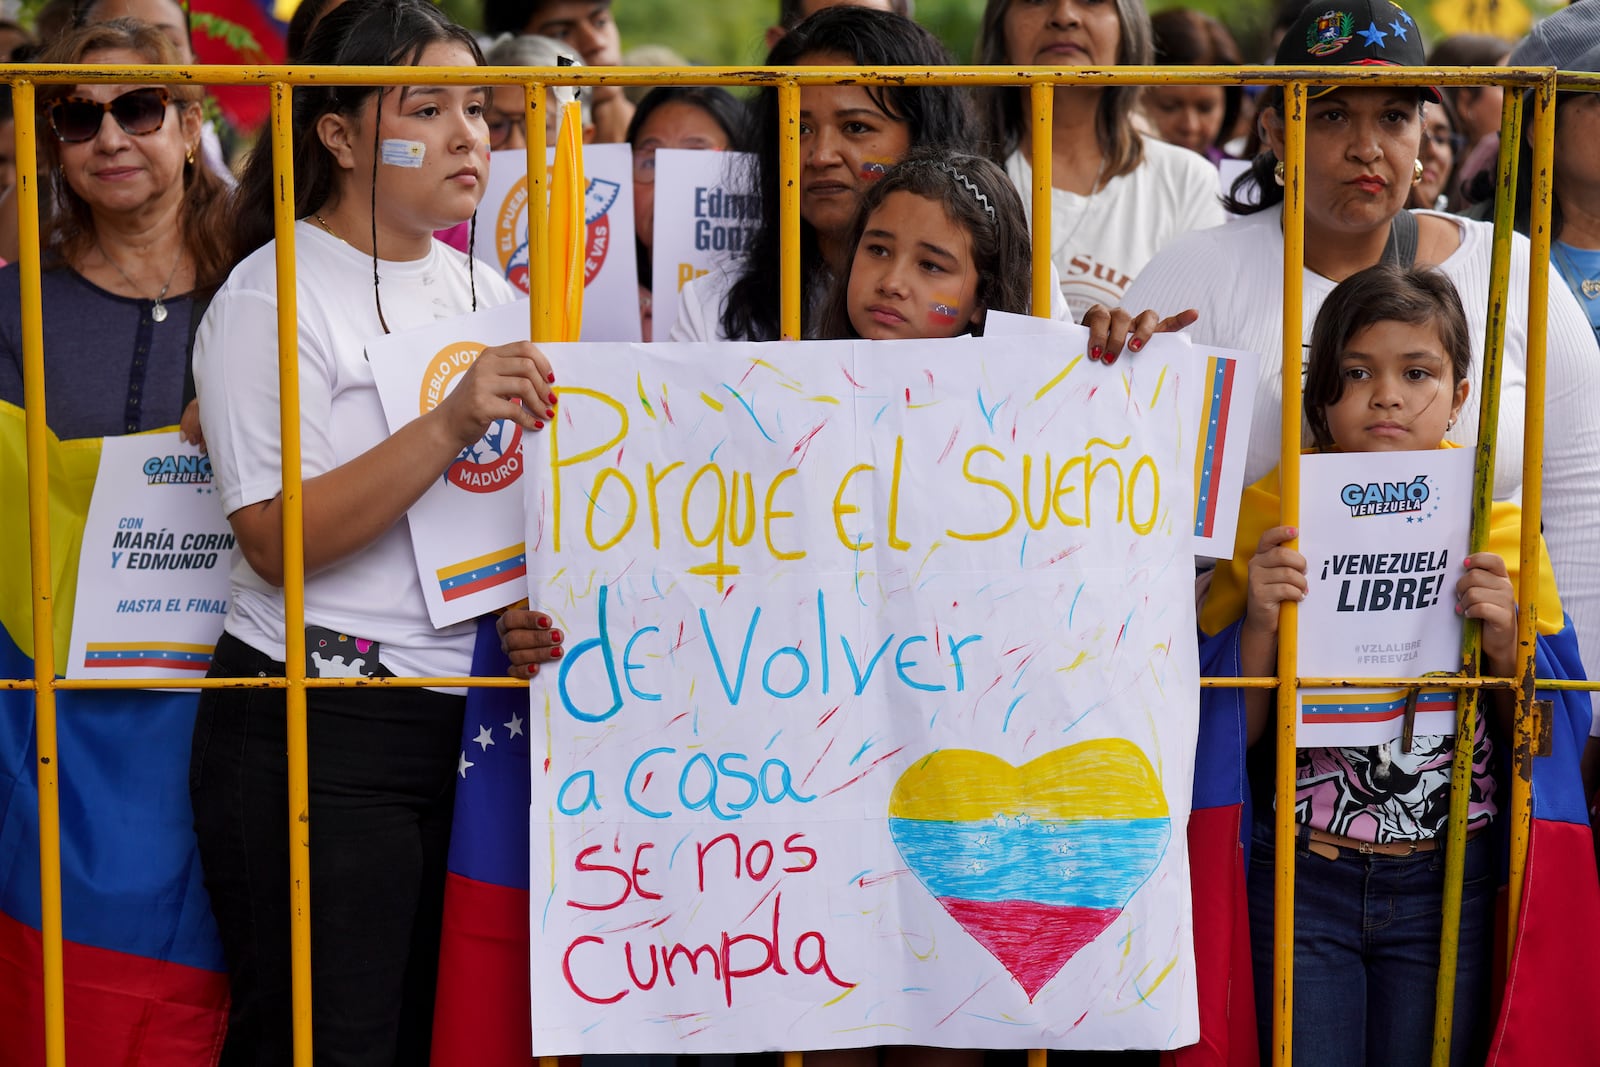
69, 229
934, 115
1003, 112
715, 101
1416, 296
368, 33
1188, 38
977, 196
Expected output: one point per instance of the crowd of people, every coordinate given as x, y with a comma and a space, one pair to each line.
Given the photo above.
915, 205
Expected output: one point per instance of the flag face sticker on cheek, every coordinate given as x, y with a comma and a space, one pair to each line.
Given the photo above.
397, 153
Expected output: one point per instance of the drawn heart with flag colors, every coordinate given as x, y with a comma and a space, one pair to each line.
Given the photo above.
1033, 861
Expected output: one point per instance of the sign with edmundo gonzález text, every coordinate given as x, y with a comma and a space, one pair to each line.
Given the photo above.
876, 720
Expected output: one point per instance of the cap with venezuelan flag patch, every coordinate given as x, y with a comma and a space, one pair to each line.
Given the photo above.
1354, 33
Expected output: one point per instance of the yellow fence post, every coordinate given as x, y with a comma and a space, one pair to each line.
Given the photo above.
1544, 129
1294, 213
44, 651
1042, 95
789, 208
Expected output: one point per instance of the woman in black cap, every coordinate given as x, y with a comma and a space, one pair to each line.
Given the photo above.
1361, 151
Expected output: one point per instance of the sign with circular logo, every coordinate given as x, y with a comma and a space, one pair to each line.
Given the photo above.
495, 459
511, 230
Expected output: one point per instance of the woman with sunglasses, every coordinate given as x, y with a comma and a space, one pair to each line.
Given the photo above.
136, 239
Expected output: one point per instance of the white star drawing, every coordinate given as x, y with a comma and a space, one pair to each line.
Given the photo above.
461, 768
485, 738
515, 726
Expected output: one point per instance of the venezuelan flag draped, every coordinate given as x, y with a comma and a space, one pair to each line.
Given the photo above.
483, 1016
1546, 1014
145, 982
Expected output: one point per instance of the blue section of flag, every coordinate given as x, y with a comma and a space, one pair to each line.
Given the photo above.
130, 872
1208, 473
108, 658
486, 571
489, 842
1081, 863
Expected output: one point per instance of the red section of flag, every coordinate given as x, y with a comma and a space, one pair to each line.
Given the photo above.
244, 106
1030, 939
173, 1015
483, 1014
1547, 1015
1221, 945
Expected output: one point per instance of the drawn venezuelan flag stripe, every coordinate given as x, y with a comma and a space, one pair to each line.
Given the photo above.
483, 572
1370, 707
1219, 382
166, 654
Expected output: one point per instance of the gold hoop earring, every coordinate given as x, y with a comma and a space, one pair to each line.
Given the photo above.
1416, 172
1278, 172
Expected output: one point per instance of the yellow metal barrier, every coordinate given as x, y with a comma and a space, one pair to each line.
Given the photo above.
788, 81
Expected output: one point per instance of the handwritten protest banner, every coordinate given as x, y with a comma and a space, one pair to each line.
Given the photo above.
877, 716
1222, 417
611, 281
704, 217
153, 577
1384, 534
466, 530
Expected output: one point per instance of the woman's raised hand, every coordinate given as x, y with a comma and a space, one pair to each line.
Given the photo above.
511, 381
1112, 328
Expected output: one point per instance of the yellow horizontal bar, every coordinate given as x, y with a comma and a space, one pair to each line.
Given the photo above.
206, 74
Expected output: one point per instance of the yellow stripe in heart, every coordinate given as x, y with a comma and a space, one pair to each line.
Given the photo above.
1108, 778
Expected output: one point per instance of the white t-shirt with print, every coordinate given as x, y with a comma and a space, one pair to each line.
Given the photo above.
1100, 243
375, 594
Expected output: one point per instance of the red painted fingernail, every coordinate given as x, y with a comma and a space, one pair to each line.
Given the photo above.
555, 635
533, 669
1135, 344
542, 622
1095, 353
552, 396
1110, 360
555, 653
551, 377
549, 413
538, 424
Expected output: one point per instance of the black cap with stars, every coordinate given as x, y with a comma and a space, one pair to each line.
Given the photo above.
1354, 33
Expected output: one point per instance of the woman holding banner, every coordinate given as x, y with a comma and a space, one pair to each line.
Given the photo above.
376, 173
1362, 148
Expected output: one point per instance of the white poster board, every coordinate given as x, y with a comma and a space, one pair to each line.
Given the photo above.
877, 717
466, 529
153, 576
1222, 414
1384, 535
611, 280
704, 217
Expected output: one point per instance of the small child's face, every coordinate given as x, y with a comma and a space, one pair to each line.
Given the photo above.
1399, 390
913, 274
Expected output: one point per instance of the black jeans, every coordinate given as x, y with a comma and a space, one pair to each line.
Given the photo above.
382, 773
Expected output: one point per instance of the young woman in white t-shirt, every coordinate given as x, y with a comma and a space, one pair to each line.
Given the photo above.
376, 173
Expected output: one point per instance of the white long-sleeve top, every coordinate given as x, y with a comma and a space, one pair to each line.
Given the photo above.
1233, 275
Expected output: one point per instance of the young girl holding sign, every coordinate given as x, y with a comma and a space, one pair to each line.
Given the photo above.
375, 174
1389, 358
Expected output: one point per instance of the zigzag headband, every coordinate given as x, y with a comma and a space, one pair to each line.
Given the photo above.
977, 193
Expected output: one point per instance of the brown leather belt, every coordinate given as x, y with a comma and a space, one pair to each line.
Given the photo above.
1329, 846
